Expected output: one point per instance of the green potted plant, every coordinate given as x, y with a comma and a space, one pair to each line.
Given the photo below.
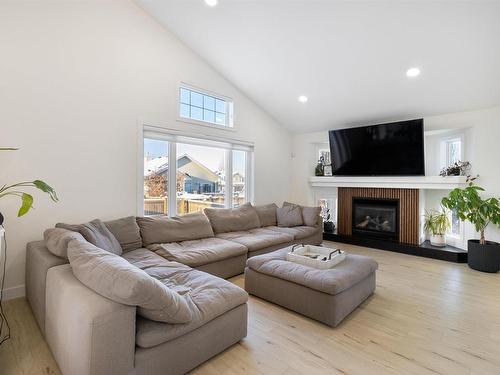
17, 191
483, 255
437, 224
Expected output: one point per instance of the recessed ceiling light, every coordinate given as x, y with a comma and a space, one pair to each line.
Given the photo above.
303, 99
412, 72
211, 3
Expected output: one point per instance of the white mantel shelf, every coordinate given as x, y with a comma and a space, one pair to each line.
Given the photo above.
416, 182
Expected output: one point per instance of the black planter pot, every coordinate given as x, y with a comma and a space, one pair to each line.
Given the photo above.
328, 226
485, 258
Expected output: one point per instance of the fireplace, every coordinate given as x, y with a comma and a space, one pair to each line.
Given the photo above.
375, 217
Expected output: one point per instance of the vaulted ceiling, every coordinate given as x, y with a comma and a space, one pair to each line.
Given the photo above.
349, 58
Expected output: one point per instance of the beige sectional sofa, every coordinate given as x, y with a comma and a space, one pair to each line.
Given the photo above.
92, 322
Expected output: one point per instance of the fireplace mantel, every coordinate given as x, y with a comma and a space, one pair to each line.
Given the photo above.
417, 182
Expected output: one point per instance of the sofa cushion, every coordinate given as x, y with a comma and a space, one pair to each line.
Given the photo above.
233, 219
298, 233
164, 229
289, 216
126, 231
309, 214
199, 252
115, 278
267, 214
257, 239
352, 270
210, 297
57, 240
97, 234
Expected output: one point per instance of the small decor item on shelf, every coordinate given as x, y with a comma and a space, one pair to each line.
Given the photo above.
328, 225
437, 224
319, 170
315, 256
327, 170
469, 205
459, 168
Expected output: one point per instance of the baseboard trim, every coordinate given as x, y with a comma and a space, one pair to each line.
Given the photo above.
14, 292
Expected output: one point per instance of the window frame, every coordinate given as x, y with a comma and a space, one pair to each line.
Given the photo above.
445, 149
230, 125
453, 239
173, 136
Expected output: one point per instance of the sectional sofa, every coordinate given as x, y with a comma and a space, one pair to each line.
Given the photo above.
98, 290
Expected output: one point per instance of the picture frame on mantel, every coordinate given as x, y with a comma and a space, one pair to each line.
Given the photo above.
324, 154
327, 170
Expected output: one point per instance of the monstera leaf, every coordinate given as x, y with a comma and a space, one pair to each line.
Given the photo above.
17, 190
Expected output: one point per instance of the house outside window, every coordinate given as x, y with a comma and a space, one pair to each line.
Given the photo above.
205, 108
199, 178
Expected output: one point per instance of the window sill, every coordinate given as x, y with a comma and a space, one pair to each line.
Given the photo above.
206, 124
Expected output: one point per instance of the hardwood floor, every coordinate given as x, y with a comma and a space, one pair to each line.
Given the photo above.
426, 317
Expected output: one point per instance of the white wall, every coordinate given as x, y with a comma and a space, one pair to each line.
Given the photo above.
75, 78
481, 131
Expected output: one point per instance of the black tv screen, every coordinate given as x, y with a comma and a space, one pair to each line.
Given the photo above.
393, 149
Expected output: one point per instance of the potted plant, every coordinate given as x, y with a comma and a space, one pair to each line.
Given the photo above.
483, 255
328, 225
437, 224
17, 191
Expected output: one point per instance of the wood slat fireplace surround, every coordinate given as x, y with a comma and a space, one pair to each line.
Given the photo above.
409, 224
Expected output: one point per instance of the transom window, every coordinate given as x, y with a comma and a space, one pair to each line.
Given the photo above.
198, 106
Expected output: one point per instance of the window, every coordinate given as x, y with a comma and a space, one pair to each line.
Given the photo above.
198, 106
155, 176
451, 152
239, 164
199, 179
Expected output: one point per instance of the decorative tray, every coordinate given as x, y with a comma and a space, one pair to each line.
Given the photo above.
315, 256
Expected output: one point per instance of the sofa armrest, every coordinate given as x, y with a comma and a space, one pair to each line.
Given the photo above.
38, 261
319, 223
88, 334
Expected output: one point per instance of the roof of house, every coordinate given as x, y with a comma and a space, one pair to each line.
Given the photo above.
187, 165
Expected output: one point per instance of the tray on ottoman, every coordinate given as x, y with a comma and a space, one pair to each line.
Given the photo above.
327, 295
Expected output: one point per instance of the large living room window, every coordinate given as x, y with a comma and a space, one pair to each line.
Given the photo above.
205, 108
207, 173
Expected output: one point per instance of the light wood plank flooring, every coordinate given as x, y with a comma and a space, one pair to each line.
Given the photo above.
426, 317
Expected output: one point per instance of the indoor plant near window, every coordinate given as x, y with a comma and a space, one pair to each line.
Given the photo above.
469, 205
437, 224
17, 191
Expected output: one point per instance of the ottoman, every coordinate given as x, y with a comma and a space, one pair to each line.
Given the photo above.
325, 295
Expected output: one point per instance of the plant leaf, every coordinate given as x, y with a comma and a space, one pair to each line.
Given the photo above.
43, 186
27, 204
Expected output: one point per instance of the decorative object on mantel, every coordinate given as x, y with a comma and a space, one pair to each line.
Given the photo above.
327, 170
26, 204
319, 170
437, 224
328, 225
459, 168
483, 255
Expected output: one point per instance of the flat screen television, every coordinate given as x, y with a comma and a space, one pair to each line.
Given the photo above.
393, 149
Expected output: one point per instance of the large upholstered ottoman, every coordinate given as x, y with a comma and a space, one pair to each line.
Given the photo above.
325, 295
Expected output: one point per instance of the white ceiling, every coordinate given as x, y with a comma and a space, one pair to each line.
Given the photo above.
349, 58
